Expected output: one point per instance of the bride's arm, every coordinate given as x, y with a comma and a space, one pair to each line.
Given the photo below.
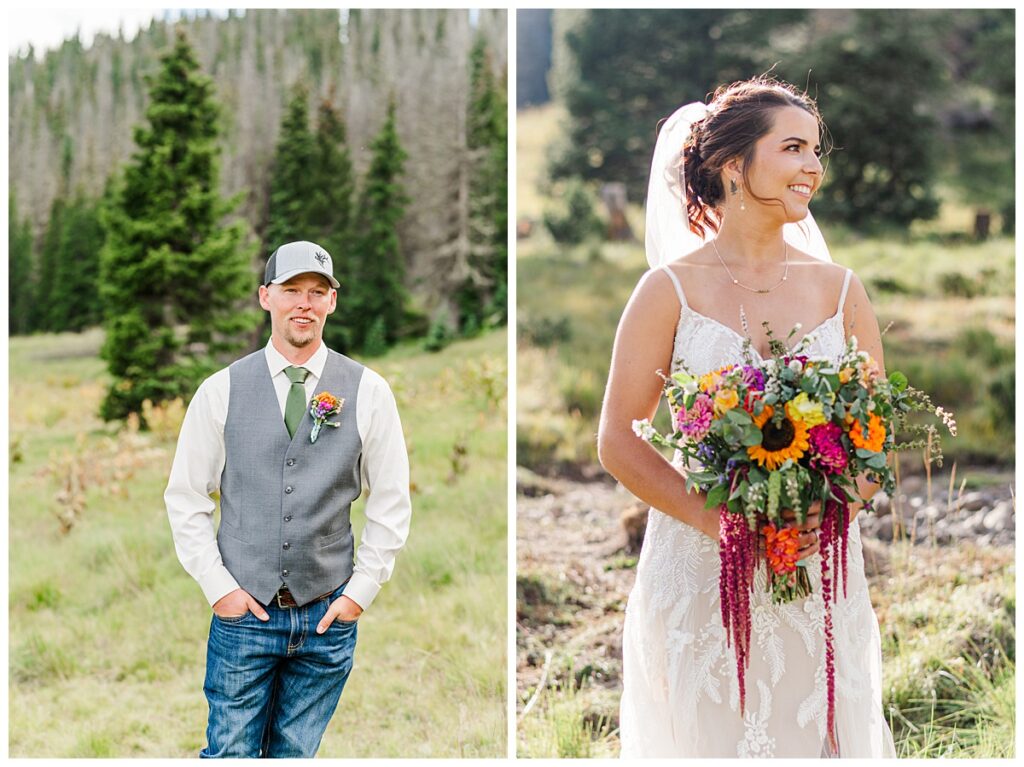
860, 321
643, 345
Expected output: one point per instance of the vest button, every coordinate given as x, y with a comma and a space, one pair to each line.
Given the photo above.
288, 489
288, 518
284, 573
291, 461
287, 545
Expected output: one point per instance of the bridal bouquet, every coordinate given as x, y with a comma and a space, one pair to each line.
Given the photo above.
781, 434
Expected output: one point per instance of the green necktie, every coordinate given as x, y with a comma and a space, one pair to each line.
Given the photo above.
295, 405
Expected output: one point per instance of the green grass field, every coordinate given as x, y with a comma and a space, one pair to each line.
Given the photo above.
108, 633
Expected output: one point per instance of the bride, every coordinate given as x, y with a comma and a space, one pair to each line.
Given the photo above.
733, 245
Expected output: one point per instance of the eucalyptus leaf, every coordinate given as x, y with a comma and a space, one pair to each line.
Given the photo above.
717, 496
738, 416
751, 436
877, 461
898, 381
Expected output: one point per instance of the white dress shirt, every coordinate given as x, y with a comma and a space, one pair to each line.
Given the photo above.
199, 463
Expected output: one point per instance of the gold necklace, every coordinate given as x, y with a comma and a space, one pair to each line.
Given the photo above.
785, 274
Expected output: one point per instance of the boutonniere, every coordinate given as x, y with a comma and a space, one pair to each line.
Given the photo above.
322, 407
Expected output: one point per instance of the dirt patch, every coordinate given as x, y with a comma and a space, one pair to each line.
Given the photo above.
576, 565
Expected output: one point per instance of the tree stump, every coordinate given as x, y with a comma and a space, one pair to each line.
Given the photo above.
613, 195
982, 225
634, 522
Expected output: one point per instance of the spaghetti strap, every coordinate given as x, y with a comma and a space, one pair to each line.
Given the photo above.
675, 281
846, 285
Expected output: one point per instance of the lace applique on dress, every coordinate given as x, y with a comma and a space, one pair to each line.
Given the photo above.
681, 694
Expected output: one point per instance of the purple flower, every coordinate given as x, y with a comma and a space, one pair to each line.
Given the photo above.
753, 378
827, 453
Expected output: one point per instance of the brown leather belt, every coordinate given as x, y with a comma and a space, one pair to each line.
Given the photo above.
284, 598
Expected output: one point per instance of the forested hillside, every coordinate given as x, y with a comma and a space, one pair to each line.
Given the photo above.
72, 111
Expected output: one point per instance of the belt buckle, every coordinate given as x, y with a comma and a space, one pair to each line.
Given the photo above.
282, 605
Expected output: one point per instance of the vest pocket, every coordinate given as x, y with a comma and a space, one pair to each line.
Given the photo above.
231, 531
327, 540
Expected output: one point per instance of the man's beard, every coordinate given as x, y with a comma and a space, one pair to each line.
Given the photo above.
299, 342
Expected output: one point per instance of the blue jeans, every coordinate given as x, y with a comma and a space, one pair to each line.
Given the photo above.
273, 687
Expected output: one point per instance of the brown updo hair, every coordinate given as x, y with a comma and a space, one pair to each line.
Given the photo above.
738, 115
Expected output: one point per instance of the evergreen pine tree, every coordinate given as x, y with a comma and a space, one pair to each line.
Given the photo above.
330, 214
873, 96
487, 141
637, 65
333, 182
21, 306
291, 181
75, 303
174, 277
378, 293
49, 259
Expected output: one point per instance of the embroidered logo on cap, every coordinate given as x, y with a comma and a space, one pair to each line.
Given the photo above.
321, 258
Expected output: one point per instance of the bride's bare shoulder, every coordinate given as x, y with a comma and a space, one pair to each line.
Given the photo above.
654, 289
695, 259
823, 271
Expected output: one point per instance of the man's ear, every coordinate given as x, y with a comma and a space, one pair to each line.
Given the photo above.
265, 297
334, 301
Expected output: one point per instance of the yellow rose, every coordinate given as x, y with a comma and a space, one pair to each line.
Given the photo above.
725, 400
802, 409
845, 375
710, 382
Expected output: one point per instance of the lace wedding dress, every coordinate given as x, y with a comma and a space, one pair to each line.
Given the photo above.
681, 694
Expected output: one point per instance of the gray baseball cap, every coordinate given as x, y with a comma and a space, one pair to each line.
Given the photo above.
295, 258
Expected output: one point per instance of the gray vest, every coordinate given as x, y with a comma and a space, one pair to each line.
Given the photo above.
284, 501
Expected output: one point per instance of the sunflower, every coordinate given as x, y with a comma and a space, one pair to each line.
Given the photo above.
779, 443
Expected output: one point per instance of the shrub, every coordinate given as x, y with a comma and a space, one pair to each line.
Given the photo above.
376, 339
890, 285
545, 331
439, 337
957, 284
579, 221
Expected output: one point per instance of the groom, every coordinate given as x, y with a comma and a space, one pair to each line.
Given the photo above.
285, 581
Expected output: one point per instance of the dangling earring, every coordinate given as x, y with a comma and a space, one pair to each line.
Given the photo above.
733, 188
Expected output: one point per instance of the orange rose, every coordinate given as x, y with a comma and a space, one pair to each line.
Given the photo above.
875, 438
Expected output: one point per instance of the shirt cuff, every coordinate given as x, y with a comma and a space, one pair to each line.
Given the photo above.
361, 589
217, 583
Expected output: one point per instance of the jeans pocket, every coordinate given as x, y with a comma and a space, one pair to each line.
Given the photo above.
233, 618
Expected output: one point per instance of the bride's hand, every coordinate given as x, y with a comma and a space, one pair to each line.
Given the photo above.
809, 530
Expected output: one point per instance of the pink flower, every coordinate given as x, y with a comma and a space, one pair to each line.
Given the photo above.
696, 421
827, 452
